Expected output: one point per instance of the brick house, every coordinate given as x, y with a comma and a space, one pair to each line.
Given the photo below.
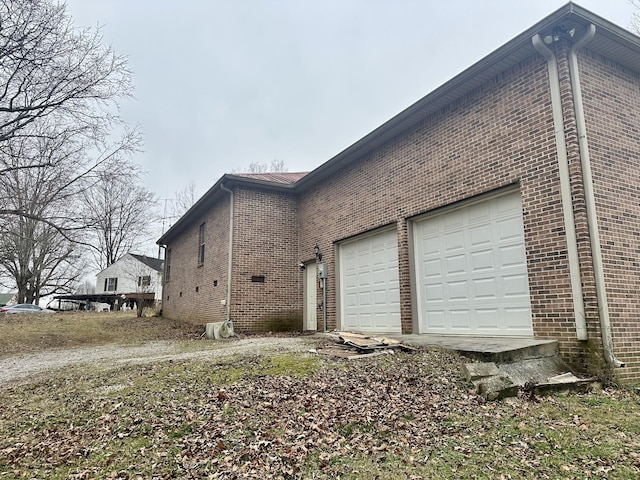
504, 203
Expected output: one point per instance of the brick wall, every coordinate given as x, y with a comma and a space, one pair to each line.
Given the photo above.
265, 247
500, 134
265, 250
612, 110
195, 291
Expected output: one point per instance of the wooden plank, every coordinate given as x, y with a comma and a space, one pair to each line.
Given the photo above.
353, 334
362, 342
387, 340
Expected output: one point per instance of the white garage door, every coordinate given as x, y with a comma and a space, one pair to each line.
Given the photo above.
369, 287
471, 270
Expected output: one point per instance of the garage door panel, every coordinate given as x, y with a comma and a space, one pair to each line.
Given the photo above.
460, 319
482, 260
509, 229
479, 285
393, 277
519, 317
480, 236
381, 298
488, 319
515, 286
364, 279
457, 290
376, 307
455, 264
511, 256
430, 245
364, 299
432, 268
485, 288
365, 320
454, 241
509, 204
452, 221
478, 213
380, 276
350, 299
433, 293
363, 261
437, 320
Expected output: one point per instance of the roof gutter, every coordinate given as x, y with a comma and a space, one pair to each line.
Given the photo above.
565, 188
230, 260
592, 217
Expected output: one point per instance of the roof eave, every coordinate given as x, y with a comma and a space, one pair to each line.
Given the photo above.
499, 60
228, 180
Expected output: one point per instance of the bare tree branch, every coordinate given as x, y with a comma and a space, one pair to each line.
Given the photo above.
121, 212
60, 89
49, 68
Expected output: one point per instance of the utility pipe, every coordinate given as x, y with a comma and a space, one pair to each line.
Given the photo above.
565, 188
230, 264
324, 304
590, 201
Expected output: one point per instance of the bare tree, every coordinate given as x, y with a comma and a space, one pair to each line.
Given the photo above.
61, 85
183, 201
635, 18
59, 93
119, 213
38, 258
48, 68
256, 167
278, 166
86, 287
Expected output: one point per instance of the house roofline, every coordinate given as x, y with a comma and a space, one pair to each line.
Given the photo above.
610, 40
215, 192
505, 57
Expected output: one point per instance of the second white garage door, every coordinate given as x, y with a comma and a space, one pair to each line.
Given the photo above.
369, 287
471, 270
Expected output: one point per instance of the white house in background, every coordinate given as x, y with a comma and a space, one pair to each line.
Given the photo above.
133, 276
8, 299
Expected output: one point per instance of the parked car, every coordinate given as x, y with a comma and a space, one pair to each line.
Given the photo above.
24, 308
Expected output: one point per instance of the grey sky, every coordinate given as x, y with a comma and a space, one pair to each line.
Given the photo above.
221, 84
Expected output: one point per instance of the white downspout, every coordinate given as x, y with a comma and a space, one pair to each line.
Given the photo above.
565, 188
592, 217
230, 264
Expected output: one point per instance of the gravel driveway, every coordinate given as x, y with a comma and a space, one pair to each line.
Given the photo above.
21, 366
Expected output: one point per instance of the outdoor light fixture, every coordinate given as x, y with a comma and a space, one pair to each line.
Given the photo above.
316, 250
558, 33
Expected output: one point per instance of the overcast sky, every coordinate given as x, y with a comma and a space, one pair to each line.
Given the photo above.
223, 83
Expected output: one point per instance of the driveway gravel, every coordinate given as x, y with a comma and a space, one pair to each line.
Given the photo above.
22, 366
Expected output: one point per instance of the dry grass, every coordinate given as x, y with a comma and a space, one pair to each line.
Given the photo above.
289, 415
35, 333
298, 416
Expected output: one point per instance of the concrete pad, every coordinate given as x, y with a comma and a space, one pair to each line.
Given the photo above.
486, 349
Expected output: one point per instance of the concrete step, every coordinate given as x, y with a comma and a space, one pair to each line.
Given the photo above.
487, 349
534, 376
505, 353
